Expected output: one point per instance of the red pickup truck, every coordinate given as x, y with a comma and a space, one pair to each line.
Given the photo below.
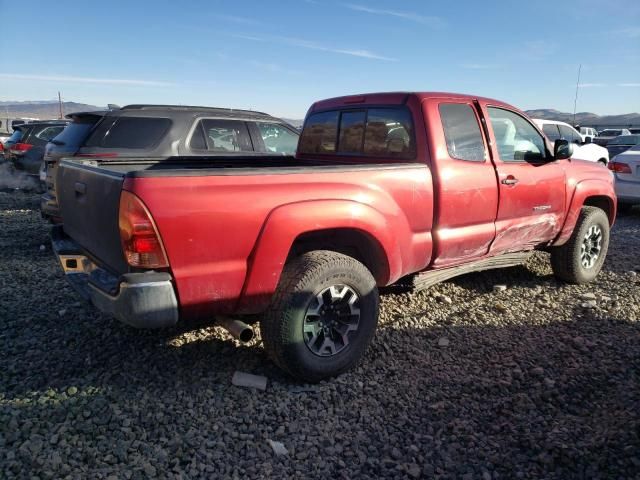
382, 186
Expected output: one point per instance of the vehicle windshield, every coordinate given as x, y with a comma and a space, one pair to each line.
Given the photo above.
626, 140
15, 136
610, 133
74, 134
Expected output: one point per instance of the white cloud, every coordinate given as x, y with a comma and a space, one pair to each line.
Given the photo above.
479, 66
429, 20
629, 85
73, 79
537, 49
296, 42
236, 19
629, 32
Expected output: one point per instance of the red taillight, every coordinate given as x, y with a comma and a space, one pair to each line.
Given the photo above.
619, 167
21, 148
1, 147
141, 242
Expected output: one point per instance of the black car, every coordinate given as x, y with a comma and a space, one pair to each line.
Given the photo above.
25, 148
605, 136
622, 144
165, 131
65, 144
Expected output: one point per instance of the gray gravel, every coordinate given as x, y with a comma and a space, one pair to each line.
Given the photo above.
461, 382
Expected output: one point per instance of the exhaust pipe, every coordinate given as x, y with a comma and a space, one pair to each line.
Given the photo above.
238, 329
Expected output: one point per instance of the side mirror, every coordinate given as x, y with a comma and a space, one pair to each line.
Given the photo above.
588, 140
562, 150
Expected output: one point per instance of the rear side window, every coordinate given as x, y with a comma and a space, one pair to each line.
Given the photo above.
221, 136
129, 132
551, 131
569, 134
374, 132
462, 132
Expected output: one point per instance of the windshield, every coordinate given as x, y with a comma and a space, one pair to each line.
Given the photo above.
611, 133
15, 136
74, 134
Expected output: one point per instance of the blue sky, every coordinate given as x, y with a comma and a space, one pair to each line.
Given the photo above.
280, 56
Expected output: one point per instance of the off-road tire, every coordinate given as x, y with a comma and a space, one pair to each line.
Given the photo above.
566, 259
302, 279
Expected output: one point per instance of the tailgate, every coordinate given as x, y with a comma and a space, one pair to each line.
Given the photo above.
89, 199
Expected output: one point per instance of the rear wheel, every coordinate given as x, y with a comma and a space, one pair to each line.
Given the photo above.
581, 258
322, 317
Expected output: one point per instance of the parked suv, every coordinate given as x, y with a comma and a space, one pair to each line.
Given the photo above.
165, 131
25, 148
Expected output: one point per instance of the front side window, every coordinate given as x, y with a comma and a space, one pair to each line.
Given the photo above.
277, 138
218, 135
516, 139
462, 132
551, 131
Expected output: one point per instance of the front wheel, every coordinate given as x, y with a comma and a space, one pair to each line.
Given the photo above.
322, 317
581, 258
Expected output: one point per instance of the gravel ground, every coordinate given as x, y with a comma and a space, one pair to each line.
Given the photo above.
537, 381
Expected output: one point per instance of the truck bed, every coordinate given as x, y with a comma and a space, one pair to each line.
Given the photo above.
211, 212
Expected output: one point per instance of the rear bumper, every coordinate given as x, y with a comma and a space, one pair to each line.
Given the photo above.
49, 208
142, 300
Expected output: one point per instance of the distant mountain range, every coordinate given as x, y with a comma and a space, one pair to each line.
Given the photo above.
586, 118
49, 109
46, 109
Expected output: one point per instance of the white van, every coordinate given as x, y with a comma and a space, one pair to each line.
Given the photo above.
588, 132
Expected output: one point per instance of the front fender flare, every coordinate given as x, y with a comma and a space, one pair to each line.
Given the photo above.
584, 190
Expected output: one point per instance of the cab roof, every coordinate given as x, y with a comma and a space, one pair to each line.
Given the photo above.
395, 98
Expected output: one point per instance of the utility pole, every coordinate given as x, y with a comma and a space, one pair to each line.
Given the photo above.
575, 101
60, 104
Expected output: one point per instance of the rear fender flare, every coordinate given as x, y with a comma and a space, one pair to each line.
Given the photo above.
288, 222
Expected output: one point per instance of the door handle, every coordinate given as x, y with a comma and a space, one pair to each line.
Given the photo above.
510, 180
